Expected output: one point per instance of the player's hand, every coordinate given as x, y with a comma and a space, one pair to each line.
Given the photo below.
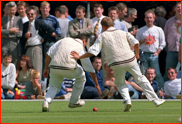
98, 88
75, 55
137, 56
46, 73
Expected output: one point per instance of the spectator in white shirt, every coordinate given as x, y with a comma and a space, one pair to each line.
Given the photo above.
8, 74
172, 87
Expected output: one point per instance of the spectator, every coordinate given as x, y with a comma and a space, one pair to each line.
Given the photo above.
23, 74
172, 87
66, 13
122, 10
129, 18
21, 5
98, 11
89, 91
152, 41
35, 32
160, 14
113, 14
81, 25
160, 21
8, 74
63, 22
5, 10
172, 39
35, 87
11, 31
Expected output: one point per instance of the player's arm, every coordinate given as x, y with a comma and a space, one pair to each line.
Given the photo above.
76, 55
46, 70
94, 78
136, 48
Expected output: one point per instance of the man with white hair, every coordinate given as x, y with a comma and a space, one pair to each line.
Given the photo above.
63, 66
11, 32
121, 58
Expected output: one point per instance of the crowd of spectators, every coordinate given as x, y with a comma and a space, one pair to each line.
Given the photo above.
26, 38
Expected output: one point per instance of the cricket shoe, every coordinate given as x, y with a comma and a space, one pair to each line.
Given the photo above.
80, 103
128, 105
158, 102
45, 106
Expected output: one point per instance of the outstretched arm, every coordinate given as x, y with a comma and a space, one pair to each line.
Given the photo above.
94, 78
76, 55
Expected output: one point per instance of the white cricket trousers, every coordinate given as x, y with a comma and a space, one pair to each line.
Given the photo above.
141, 80
56, 80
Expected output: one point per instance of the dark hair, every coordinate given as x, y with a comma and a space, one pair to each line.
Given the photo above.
28, 62
93, 60
7, 55
160, 11
81, 36
31, 8
81, 7
61, 10
173, 69
107, 21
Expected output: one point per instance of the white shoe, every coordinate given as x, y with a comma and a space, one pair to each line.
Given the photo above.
80, 103
45, 106
128, 105
158, 102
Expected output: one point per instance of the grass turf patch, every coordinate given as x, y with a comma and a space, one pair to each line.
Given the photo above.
108, 112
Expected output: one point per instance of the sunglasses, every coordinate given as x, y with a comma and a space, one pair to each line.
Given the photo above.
30, 14
170, 73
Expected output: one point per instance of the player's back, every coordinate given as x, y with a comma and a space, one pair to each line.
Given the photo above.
116, 46
62, 56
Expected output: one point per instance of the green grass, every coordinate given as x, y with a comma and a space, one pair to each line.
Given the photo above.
108, 112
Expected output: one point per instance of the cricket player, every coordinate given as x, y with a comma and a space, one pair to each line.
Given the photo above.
121, 58
63, 66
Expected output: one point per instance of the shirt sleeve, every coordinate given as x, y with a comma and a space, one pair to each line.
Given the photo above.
53, 49
97, 46
87, 66
162, 42
11, 82
132, 40
58, 29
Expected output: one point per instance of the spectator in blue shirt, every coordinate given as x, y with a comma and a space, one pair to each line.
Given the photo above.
52, 21
113, 14
89, 91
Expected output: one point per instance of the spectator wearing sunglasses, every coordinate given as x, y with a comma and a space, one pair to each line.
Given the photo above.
172, 87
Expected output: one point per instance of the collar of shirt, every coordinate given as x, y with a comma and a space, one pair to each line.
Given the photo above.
111, 28
10, 18
32, 23
81, 19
